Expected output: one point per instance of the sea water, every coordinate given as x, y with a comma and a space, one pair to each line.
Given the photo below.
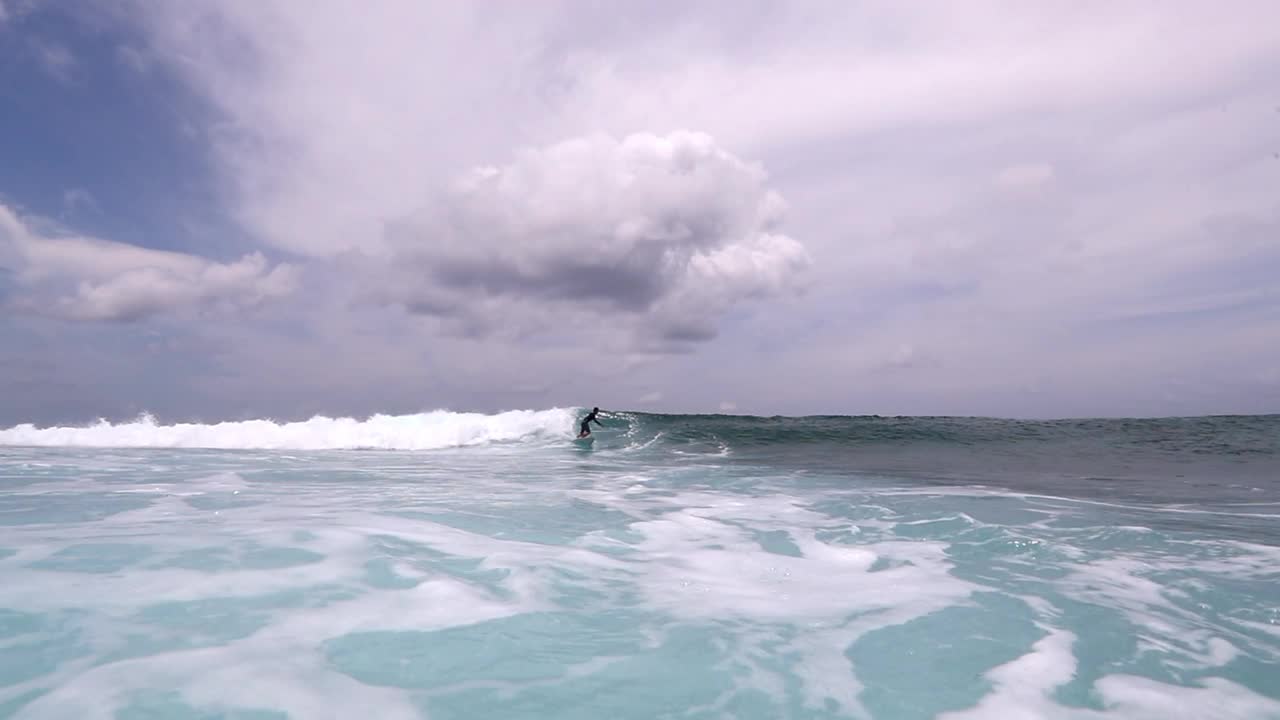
485, 566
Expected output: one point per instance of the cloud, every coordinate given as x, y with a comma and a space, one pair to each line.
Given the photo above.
669, 230
134, 59
1025, 176
331, 121
75, 200
823, 71
14, 10
55, 59
84, 278
907, 356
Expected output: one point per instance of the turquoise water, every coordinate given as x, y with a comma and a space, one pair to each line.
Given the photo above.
681, 567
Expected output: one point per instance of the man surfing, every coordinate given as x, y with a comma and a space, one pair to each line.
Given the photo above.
586, 423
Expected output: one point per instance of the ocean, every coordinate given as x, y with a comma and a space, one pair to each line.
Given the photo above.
450, 565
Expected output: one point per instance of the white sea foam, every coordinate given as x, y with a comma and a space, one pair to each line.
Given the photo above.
1024, 687
700, 567
1140, 698
248, 674
422, 431
1174, 630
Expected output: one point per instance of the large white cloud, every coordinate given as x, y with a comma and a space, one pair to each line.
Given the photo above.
86, 278
670, 229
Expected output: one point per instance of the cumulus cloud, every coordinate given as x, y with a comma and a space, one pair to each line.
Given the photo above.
672, 230
86, 278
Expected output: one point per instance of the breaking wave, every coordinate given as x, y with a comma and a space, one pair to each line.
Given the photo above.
422, 431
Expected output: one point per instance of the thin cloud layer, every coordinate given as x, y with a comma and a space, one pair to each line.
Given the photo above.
82, 278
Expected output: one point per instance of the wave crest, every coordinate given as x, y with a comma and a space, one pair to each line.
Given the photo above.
422, 431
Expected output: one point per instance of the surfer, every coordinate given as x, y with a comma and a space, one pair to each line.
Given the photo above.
586, 423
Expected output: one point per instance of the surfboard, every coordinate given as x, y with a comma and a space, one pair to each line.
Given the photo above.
584, 441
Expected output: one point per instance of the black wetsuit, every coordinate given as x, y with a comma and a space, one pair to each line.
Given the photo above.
586, 424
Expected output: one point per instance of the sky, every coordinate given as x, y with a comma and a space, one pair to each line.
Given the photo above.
234, 209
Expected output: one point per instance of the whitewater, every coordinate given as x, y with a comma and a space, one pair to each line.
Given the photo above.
467, 565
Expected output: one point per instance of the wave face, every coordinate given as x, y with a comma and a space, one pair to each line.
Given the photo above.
1216, 458
1208, 435
1220, 459
423, 431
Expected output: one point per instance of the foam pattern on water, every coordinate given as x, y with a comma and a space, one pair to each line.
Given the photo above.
553, 583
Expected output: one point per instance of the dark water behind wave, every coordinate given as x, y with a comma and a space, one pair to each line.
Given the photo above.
1217, 461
